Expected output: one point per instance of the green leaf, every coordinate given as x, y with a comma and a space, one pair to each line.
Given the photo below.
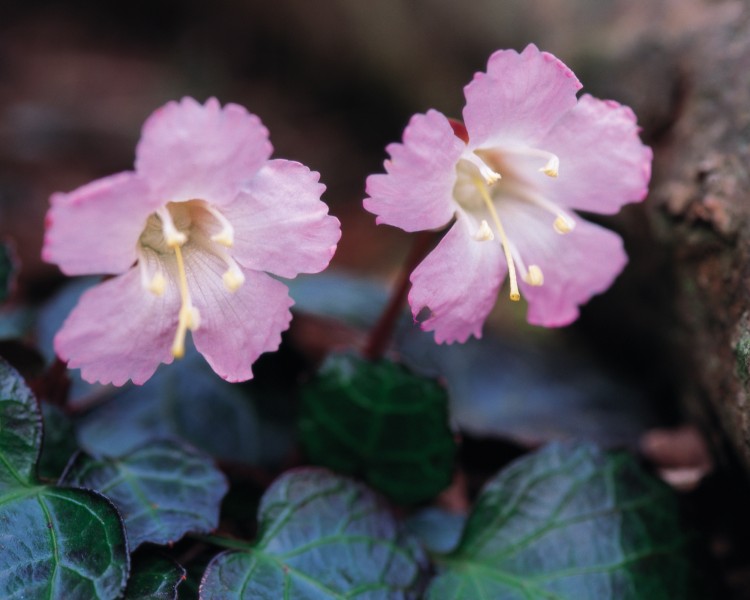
185, 401
8, 269
20, 430
570, 523
59, 442
56, 542
322, 536
379, 421
60, 543
163, 490
154, 577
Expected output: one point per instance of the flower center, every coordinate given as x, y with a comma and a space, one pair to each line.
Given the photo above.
175, 228
485, 179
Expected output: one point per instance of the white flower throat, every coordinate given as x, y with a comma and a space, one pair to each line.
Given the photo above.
485, 179
193, 225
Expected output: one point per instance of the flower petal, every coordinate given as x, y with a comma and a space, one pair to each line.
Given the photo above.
95, 228
519, 99
119, 331
458, 282
280, 224
236, 328
191, 151
576, 266
603, 163
417, 191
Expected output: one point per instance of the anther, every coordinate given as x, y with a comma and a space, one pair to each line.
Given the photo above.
534, 276
552, 167
484, 233
157, 285
563, 224
233, 279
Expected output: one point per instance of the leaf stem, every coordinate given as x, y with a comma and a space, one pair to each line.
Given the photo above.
381, 333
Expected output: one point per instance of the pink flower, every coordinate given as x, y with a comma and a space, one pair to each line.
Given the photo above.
529, 155
190, 236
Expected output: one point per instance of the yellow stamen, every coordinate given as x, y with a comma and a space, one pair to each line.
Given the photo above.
233, 279
157, 285
189, 317
563, 226
489, 175
172, 235
484, 233
534, 276
552, 167
515, 295
226, 236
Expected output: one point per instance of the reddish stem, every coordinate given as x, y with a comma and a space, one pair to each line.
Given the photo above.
381, 333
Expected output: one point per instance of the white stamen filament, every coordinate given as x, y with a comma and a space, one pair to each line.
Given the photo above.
551, 169
515, 295
226, 236
156, 283
563, 222
484, 233
488, 174
172, 235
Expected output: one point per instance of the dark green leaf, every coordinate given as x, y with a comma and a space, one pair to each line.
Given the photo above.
59, 442
185, 401
54, 542
163, 490
570, 523
380, 421
322, 536
8, 268
153, 577
60, 543
20, 431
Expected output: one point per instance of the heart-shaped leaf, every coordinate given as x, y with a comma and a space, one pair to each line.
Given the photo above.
60, 543
20, 431
162, 490
570, 523
56, 542
379, 421
322, 536
153, 577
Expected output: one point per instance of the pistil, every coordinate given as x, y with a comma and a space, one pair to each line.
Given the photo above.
189, 317
515, 295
